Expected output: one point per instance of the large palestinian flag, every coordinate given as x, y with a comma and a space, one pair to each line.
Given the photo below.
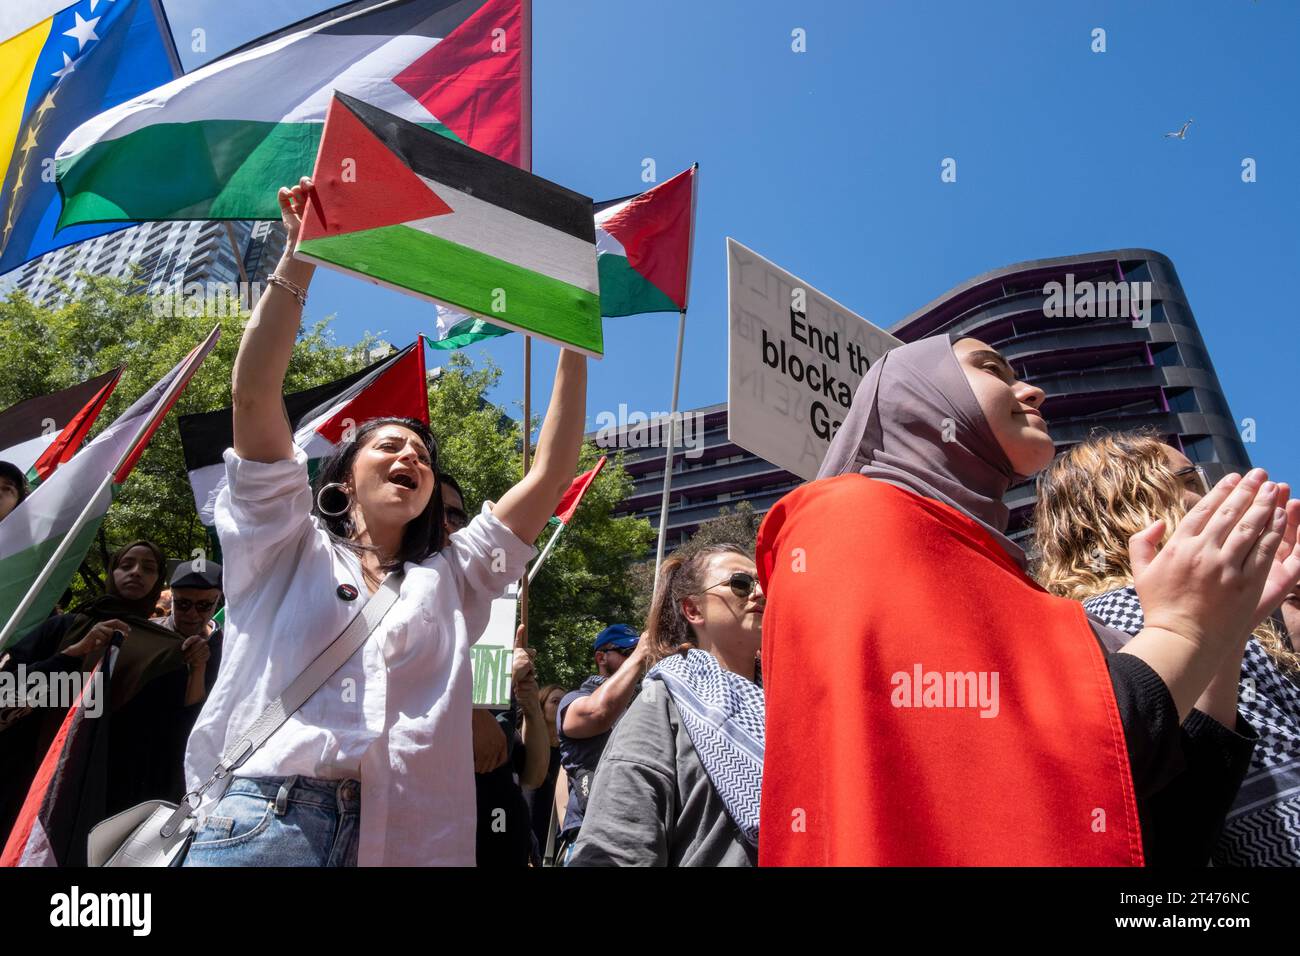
319, 416
409, 209
643, 247
45, 539
218, 142
42, 433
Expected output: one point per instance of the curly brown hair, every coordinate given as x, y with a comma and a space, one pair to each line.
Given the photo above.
1092, 499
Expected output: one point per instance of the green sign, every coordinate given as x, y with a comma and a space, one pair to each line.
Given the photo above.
492, 656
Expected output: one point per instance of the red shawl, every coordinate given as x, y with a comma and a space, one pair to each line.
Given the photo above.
888, 615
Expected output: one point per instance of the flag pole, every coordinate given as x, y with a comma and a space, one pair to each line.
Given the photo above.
526, 162
672, 435
184, 374
528, 425
537, 565
677, 380
47, 572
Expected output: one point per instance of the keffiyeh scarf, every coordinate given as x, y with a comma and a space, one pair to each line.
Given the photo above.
1263, 826
724, 716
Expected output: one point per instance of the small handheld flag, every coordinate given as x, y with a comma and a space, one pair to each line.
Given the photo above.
566, 509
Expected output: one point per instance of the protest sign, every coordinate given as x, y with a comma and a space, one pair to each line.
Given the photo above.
491, 657
795, 358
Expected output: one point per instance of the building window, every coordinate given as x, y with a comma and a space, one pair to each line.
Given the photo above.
1200, 449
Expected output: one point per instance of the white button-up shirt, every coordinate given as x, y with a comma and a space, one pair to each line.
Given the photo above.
396, 716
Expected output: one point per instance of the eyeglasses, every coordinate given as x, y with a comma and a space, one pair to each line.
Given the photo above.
1200, 484
185, 604
742, 584
456, 518
625, 651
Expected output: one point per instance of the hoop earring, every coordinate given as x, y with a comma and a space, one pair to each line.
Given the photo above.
333, 514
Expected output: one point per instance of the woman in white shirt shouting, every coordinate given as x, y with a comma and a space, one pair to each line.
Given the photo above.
377, 766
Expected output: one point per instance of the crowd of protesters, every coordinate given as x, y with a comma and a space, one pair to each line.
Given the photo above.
886, 679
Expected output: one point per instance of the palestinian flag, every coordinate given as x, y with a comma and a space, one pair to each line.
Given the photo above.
643, 251
457, 330
60, 518
644, 245
319, 417
67, 796
414, 211
573, 497
42, 433
217, 143
565, 511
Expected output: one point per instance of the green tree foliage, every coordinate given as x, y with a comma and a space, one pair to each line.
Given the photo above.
585, 583
729, 527
47, 349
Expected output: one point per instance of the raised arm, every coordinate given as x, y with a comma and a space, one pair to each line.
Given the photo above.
526, 507
261, 428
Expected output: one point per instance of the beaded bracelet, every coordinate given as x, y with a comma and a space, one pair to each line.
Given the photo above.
295, 290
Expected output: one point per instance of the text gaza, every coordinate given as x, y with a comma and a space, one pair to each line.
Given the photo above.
816, 375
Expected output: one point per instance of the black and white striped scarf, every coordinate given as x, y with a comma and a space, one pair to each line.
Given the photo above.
724, 716
1263, 826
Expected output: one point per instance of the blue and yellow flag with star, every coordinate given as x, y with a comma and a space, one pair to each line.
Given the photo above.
60, 64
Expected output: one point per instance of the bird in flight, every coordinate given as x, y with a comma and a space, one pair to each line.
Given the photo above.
1181, 134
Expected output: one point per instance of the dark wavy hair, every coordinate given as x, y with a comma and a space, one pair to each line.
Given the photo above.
423, 534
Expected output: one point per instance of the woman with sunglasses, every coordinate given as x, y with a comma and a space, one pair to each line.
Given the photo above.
992, 723
679, 782
1091, 501
376, 767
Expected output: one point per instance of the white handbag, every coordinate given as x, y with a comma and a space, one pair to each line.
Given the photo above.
155, 832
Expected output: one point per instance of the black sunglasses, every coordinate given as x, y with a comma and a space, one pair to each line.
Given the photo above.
742, 584
185, 604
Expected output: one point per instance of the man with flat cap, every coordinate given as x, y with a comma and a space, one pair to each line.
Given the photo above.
196, 595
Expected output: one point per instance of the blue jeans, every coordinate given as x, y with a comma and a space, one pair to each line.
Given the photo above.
281, 821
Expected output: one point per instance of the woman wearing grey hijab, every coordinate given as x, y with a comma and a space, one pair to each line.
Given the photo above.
1001, 725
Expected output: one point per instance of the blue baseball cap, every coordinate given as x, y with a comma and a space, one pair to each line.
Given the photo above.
616, 637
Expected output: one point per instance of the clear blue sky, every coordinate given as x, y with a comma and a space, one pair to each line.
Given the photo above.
828, 162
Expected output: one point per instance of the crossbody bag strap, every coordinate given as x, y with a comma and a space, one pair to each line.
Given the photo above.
295, 695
